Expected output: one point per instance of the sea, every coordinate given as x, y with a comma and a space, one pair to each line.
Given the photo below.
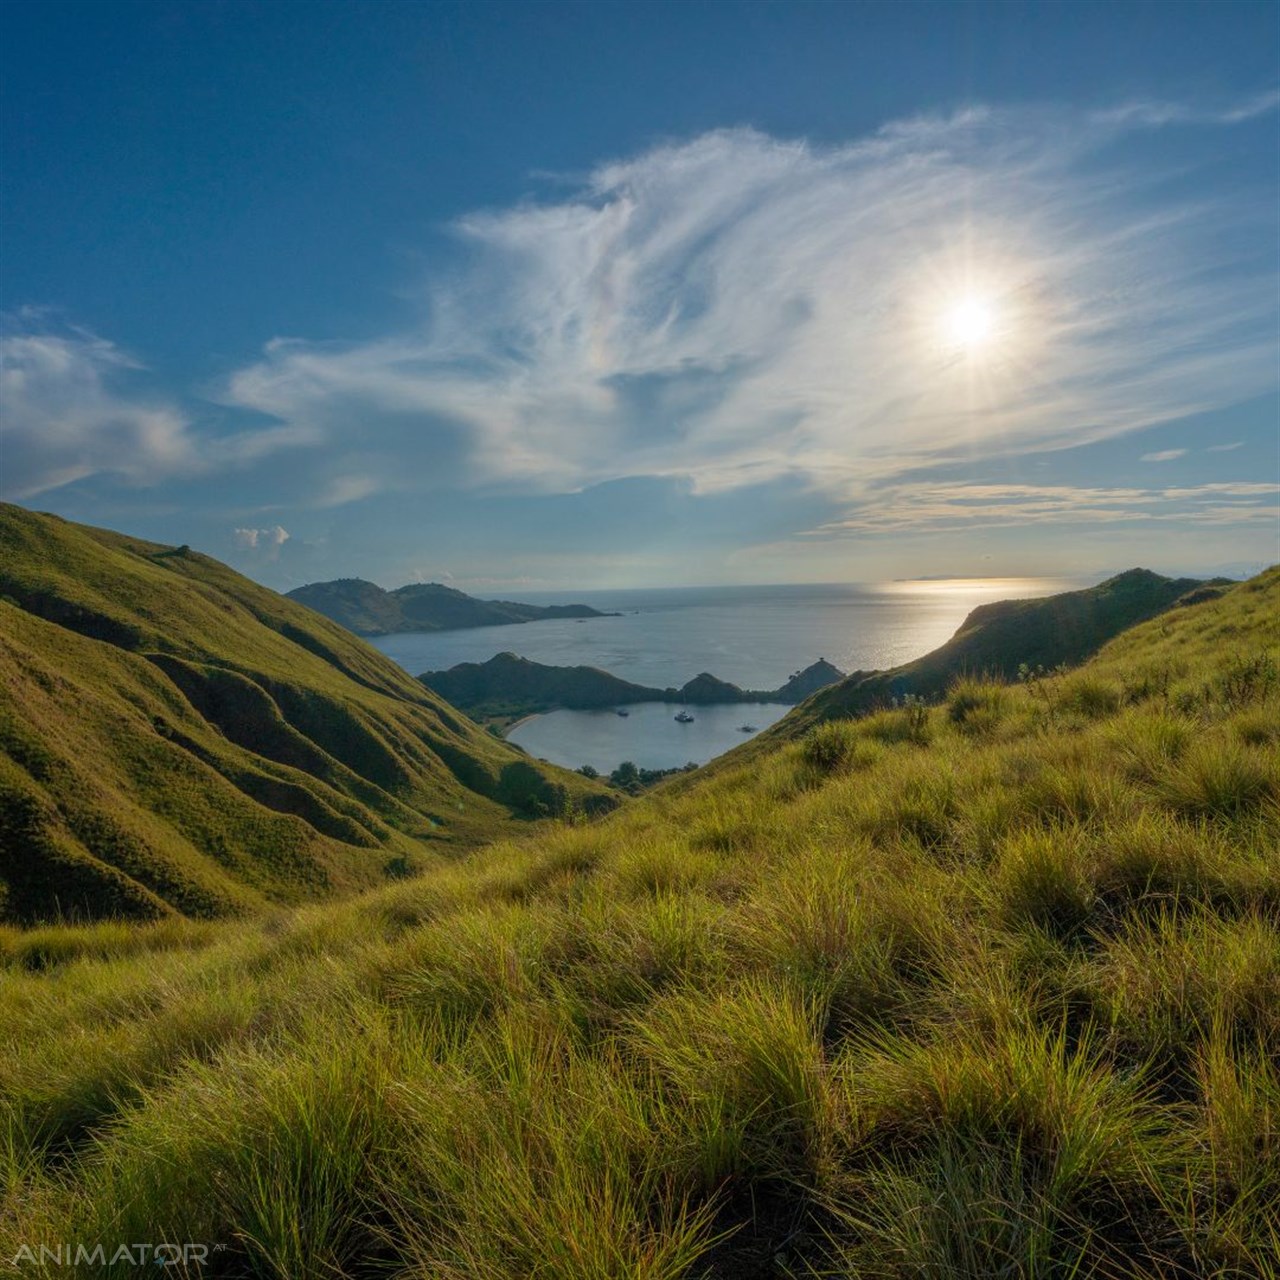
755, 637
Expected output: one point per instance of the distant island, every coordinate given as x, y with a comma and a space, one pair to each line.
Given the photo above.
369, 610
508, 687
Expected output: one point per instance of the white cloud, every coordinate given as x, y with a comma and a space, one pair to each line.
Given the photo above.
348, 488
62, 417
1224, 448
1164, 455
736, 308
1156, 114
270, 540
70, 409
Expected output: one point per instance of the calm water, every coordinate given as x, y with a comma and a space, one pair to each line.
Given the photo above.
753, 636
650, 736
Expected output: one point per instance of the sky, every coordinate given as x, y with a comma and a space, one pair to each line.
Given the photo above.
542, 296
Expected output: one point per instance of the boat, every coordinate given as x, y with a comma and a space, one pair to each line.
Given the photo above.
684, 717
622, 711
746, 728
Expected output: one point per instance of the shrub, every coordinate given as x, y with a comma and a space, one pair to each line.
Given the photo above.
1247, 680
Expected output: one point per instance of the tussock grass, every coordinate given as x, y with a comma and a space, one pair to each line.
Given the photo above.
984, 988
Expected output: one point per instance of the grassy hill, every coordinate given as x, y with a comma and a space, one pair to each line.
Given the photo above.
368, 610
984, 988
997, 639
174, 737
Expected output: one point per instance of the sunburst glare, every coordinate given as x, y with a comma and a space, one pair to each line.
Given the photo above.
969, 322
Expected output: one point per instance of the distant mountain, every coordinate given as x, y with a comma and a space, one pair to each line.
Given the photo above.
174, 737
507, 685
368, 610
997, 639
818, 675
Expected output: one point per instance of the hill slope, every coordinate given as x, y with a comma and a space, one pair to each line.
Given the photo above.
990, 987
175, 737
368, 610
997, 639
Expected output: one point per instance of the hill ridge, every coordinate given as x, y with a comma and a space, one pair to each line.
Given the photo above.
367, 609
176, 737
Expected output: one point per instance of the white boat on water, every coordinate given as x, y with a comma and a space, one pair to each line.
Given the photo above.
684, 717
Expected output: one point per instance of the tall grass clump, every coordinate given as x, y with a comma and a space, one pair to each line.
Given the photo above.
519, 1156
977, 707
1220, 779
1013, 1154
744, 1070
830, 747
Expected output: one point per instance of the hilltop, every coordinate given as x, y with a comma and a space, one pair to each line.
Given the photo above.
174, 737
990, 986
366, 609
507, 686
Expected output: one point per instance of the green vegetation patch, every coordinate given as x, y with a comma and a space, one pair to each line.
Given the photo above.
983, 987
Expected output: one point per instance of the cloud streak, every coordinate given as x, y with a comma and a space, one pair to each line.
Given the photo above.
72, 407
940, 507
735, 308
62, 417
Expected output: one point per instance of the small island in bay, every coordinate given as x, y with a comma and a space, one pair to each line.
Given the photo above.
507, 688
369, 610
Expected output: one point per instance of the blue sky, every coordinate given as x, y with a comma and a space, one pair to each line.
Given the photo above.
556, 295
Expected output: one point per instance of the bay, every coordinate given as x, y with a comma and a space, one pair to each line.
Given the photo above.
649, 735
754, 637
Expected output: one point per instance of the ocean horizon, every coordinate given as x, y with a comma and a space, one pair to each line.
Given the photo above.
753, 636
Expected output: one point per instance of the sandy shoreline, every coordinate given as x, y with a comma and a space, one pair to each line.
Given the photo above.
515, 724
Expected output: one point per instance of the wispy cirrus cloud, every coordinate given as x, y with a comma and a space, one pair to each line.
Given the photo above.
75, 405
1164, 455
948, 506
727, 311
1156, 113
736, 308
63, 415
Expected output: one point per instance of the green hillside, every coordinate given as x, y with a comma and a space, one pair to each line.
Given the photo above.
998, 639
985, 988
174, 737
368, 610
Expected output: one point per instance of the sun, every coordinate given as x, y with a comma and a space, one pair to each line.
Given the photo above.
970, 323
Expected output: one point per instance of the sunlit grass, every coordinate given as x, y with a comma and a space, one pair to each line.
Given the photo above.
989, 987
